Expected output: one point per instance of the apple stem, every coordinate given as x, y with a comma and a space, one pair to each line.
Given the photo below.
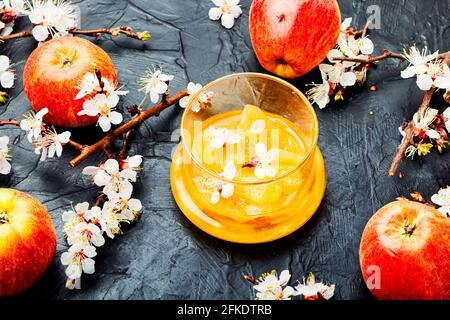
3, 217
408, 229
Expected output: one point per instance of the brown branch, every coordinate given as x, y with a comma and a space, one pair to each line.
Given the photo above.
125, 30
10, 122
410, 127
22, 34
129, 136
105, 142
386, 55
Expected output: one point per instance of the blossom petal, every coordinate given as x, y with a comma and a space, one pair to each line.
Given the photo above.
7, 79
215, 13
88, 266
4, 63
135, 205
260, 150
111, 166
104, 123
348, 79
102, 178
115, 117
285, 276
366, 46
40, 33
424, 82
227, 20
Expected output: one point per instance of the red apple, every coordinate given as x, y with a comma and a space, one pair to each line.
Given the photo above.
292, 37
52, 77
405, 252
27, 241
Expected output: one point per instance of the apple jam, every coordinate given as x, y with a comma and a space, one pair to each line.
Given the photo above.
248, 176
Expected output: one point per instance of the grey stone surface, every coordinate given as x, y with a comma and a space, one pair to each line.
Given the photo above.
164, 256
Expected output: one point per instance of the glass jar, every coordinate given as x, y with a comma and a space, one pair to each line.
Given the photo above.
259, 210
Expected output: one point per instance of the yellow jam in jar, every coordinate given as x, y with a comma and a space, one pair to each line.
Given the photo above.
249, 177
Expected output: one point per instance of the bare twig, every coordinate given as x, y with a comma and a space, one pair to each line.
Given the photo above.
386, 55
129, 136
10, 122
105, 142
125, 30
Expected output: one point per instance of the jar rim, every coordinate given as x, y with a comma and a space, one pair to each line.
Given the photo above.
312, 147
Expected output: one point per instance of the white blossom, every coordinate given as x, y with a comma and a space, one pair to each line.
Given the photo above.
6, 73
319, 93
115, 183
264, 161
271, 287
442, 199
222, 136
78, 259
102, 105
156, 84
57, 143
227, 11
443, 81
87, 85
224, 189
418, 62
338, 74
204, 99
128, 208
192, 89
51, 18
86, 233
257, 126
446, 115
313, 290
5, 166
33, 124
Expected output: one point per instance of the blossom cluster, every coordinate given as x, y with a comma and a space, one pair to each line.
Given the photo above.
338, 75
101, 97
270, 286
226, 11
430, 131
9, 11
86, 228
45, 140
50, 18
442, 199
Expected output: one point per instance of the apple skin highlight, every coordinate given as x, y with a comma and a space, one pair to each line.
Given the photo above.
290, 38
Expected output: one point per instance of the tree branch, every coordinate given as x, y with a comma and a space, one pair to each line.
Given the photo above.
125, 30
386, 55
409, 129
105, 142
129, 136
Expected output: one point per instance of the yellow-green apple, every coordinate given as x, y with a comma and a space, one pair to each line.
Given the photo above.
53, 74
27, 241
292, 37
405, 252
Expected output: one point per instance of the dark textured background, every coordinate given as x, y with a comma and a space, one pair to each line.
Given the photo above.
164, 256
